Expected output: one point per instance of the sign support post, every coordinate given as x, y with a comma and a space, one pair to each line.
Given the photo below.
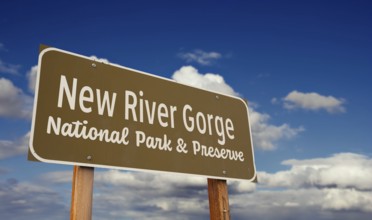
82, 193
218, 199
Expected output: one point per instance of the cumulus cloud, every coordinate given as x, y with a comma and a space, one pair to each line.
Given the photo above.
31, 76
57, 177
265, 135
343, 170
313, 188
148, 195
26, 200
9, 68
132, 179
10, 148
143, 195
190, 76
13, 102
201, 57
314, 102
347, 199
103, 60
157, 195
309, 203
310, 188
138, 179
238, 187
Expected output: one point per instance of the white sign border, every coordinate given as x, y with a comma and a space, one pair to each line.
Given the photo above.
33, 152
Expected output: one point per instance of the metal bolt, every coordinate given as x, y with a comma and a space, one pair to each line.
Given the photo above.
94, 65
89, 157
217, 97
224, 172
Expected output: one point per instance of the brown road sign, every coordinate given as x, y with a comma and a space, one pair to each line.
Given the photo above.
91, 113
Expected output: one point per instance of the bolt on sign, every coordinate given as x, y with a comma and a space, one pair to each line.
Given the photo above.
91, 113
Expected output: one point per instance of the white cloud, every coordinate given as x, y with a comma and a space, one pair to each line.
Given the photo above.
265, 135
343, 170
9, 68
13, 102
347, 199
10, 148
57, 177
308, 203
143, 195
313, 101
237, 187
313, 188
31, 76
25, 200
190, 76
103, 60
306, 189
137, 179
200, 56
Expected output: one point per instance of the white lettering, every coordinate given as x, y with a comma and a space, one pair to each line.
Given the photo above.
65, 89
229, 128
163, 113
202, 127
86, 98
151, 142
214, 152
130, 106
148, 111
189, 127
220, 130
208, 124
106, 103
78, 130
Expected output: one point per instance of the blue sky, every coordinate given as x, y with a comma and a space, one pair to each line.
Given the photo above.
304, 66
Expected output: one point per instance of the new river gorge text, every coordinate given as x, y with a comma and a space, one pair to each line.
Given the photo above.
138, 109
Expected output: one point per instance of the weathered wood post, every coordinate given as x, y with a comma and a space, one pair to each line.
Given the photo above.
218, 199
82, 193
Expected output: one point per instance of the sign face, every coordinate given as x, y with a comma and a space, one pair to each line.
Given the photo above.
90, 113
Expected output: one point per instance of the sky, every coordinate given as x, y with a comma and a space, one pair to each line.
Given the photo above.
304, 67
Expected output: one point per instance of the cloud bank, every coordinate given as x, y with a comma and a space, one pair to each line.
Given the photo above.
343, 170
25, 200
334, 187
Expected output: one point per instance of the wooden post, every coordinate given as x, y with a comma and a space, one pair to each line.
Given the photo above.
82, 193
218, 200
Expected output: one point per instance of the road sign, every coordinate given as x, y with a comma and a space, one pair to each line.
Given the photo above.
91, 113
